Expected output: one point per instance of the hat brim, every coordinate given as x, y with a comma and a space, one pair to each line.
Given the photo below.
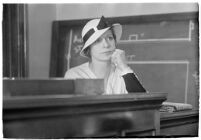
117, 28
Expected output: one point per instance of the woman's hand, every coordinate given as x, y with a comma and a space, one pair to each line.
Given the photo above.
119, 59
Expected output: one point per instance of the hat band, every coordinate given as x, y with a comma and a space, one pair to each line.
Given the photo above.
88, 34
101, 25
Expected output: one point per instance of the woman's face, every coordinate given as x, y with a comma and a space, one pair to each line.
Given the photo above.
103, 47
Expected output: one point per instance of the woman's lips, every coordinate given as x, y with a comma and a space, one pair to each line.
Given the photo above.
108, 52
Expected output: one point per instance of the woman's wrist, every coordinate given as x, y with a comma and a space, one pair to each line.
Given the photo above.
126, 70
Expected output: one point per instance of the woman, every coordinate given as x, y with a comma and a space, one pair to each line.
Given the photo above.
105, 61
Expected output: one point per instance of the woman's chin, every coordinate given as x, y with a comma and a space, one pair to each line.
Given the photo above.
104, 57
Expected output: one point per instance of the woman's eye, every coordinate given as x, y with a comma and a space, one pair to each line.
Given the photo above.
111, 38
98, 40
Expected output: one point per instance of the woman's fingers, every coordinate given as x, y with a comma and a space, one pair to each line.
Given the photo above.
119, 59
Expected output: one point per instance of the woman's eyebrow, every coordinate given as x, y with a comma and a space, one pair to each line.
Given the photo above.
109, 34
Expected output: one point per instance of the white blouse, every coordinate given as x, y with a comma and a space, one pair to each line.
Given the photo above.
115, 83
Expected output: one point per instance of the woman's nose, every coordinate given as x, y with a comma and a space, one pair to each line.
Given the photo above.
105, 43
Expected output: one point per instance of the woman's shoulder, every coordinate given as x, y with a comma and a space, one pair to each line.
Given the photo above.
80, 67
77, 71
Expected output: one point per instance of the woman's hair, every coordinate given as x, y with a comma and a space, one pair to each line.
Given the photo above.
87, 51
112, 30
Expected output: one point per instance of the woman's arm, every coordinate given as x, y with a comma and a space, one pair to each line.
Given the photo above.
132, 83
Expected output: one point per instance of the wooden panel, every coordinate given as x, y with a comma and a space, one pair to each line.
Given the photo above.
54, 86
181, 123
91, 125
80, 116
190, 130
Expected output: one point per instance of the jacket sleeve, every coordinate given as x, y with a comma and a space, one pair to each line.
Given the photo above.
132, 83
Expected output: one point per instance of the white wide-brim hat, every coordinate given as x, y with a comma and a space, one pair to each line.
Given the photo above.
94, 29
